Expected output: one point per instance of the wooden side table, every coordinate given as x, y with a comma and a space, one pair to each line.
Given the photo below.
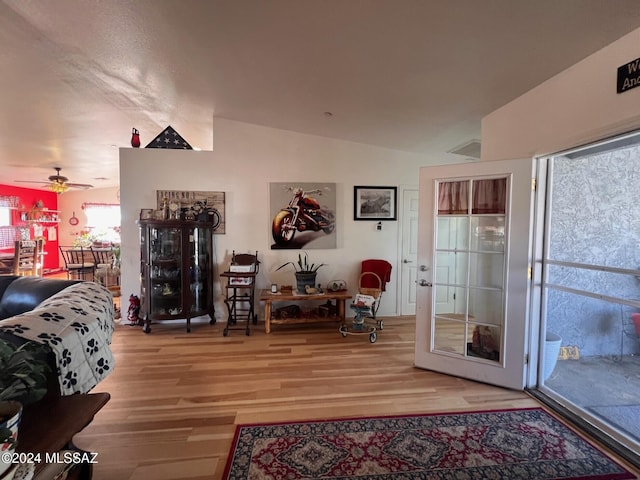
49, 426
268, 298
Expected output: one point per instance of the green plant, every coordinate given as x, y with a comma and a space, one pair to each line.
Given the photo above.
302, 265
23, 372
23, 376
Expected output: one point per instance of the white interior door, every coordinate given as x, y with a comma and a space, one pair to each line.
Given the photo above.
473, 270
409, 252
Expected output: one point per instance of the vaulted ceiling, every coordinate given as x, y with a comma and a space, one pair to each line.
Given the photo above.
412, 75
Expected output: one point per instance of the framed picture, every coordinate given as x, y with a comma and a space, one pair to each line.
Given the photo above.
315, 226
146, 214
196, 205
375, 203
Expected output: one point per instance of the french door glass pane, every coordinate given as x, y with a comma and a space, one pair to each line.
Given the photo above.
486, 306
487, 233
487, 270
489, 196
453, 198
452, 268
453, 233
449, 336
451, 301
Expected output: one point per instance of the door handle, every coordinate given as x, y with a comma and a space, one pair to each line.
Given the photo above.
424, 283
407, 261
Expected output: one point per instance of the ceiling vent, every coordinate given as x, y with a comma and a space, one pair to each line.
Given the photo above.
468, 149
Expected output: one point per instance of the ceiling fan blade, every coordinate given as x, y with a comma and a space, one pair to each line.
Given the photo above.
44, 182
78, 185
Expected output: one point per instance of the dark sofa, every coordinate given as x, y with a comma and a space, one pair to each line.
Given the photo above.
21, 294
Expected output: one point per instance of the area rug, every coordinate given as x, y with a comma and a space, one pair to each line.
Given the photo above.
504, 444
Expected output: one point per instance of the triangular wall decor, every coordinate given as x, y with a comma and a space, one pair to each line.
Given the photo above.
169, 138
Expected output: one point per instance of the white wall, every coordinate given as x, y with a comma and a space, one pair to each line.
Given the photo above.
575, 107
245, 159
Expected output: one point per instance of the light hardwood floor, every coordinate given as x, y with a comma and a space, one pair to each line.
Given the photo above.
176, 397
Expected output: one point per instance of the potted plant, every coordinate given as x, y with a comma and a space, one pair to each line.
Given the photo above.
23, 380
305, 272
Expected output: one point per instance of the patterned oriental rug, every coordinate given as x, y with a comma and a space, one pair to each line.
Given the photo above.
504, 444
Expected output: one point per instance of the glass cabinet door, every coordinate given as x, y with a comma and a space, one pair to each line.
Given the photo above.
165, 264
199, 281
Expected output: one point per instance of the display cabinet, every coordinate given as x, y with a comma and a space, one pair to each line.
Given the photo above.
176, 271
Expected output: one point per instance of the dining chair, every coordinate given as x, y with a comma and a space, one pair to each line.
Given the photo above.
27, 257
78, 262
103, 259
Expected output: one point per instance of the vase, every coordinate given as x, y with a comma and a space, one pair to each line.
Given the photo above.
303, 279
551, 351
10, 414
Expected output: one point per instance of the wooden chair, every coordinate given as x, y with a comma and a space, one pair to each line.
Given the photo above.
78, 262
240, 290
26, 261
103, 259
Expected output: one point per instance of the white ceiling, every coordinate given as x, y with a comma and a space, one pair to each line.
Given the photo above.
414, 75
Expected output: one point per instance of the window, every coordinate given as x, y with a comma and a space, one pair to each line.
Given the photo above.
7, 230
103, 222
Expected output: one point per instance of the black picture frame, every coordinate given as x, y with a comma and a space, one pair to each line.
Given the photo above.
375, 203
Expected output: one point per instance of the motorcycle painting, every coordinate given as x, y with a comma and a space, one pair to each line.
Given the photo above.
303, 215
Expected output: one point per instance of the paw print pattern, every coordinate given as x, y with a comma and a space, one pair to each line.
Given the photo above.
65, 360
80, 311
80, 327
50, 338
102, 366
51, 316
92, 346
17, 328
70, 379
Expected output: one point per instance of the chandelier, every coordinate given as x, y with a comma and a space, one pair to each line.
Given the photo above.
58, 187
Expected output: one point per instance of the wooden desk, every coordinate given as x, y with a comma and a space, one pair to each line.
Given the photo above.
50, 427
268, 298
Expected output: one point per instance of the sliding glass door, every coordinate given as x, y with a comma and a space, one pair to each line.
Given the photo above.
590, 293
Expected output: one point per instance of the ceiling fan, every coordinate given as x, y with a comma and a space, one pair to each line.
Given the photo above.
59, 183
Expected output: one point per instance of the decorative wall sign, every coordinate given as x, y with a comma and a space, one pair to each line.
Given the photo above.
629, 76
374, 203
202, 206
303, 215
169, 138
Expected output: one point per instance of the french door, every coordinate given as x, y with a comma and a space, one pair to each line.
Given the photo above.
474, 243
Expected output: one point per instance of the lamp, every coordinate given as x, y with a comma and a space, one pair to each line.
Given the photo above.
58, 187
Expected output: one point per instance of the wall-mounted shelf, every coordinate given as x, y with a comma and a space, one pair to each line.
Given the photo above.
40, 216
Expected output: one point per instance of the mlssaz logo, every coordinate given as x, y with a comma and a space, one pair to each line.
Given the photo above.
629, 76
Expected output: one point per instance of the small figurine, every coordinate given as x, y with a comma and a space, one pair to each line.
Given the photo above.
134, 311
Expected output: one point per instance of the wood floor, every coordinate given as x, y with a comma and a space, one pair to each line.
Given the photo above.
176, 397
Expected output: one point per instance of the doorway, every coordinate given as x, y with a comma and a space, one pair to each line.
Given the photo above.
590, 286
409, 251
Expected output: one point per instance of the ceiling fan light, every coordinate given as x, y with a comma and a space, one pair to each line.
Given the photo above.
58, 187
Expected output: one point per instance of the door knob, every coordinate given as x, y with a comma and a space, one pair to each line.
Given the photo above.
424, 283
